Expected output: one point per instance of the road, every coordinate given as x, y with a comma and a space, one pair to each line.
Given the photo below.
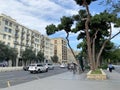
18, 77
117, 68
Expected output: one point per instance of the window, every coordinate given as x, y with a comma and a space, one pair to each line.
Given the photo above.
6, 22
6, 29
4, 36
10, 24
9, 37
8, 44
55, 42
15, 46
9, 30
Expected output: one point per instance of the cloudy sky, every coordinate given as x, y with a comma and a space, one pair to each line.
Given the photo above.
37, 14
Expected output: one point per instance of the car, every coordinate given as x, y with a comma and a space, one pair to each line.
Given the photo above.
49, 66
62, 66
37, 68
25, 68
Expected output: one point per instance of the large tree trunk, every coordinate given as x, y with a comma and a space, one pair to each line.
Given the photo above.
88, 37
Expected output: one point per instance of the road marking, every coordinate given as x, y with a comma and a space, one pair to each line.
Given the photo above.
8, 83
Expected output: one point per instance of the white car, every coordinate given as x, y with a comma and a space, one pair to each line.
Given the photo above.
38, 67
49, 66
62, 66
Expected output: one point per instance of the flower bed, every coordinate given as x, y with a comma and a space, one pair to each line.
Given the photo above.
101, 76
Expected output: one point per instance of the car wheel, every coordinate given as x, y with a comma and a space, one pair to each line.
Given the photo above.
47, 70
39, 70
31, 71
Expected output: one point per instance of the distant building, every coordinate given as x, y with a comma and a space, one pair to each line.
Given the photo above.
60, 49
70, 56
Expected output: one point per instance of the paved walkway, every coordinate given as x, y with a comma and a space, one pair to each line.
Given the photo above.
68, 81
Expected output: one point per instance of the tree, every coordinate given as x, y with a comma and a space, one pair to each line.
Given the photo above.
28, 56
54, 58
40, 56
94, 30
3, 50
7, 53
98, 25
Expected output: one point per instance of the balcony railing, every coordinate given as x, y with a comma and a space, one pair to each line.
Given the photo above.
16, 42
22, 37
22, 44
23, 31
27, 45
28, 34
17, 29
16, 35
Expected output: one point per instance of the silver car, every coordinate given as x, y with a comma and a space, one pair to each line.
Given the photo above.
49, 66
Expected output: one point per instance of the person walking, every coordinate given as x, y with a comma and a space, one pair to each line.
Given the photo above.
110, 66
74, 67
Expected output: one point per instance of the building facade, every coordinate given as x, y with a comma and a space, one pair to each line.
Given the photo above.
70, 56
20, 37
60, 49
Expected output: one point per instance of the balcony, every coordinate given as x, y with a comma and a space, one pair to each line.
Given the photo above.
23, 32
16, 42
28, 34
27, 45
32, 45
33, 36
17, 29
32, 41
27, 39
16, 35
22, 37
22, 44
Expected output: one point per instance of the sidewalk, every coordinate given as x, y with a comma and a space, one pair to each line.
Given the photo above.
68, 81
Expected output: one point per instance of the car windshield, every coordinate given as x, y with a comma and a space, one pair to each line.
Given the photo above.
49, 64
32, 65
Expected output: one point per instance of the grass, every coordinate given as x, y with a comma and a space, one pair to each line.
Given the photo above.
97, 71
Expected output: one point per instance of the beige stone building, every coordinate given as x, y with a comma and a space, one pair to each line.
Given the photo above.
47, 47
18, 36
60, 49
70, 56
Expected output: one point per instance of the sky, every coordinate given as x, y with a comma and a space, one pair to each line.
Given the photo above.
37, 14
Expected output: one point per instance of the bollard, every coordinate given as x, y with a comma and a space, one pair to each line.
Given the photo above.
8, 83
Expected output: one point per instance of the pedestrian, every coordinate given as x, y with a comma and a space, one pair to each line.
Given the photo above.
110, 66
74, 67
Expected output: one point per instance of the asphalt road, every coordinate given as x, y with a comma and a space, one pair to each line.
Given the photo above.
18, 77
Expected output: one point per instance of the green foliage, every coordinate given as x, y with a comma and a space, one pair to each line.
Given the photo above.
7, 53
28, 55
80, 2
51, 29
97, 71
54, 59
66, 23
104, 66
40, 56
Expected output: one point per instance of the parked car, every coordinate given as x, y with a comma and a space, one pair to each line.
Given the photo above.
37, 68
49, 66
26, 68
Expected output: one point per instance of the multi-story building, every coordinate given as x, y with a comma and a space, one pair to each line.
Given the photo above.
60, 49
18, 36
47, 48
70, 55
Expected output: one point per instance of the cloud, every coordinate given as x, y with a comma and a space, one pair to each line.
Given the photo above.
36, 14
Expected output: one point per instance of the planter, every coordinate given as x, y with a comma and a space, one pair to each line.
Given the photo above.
102, 76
